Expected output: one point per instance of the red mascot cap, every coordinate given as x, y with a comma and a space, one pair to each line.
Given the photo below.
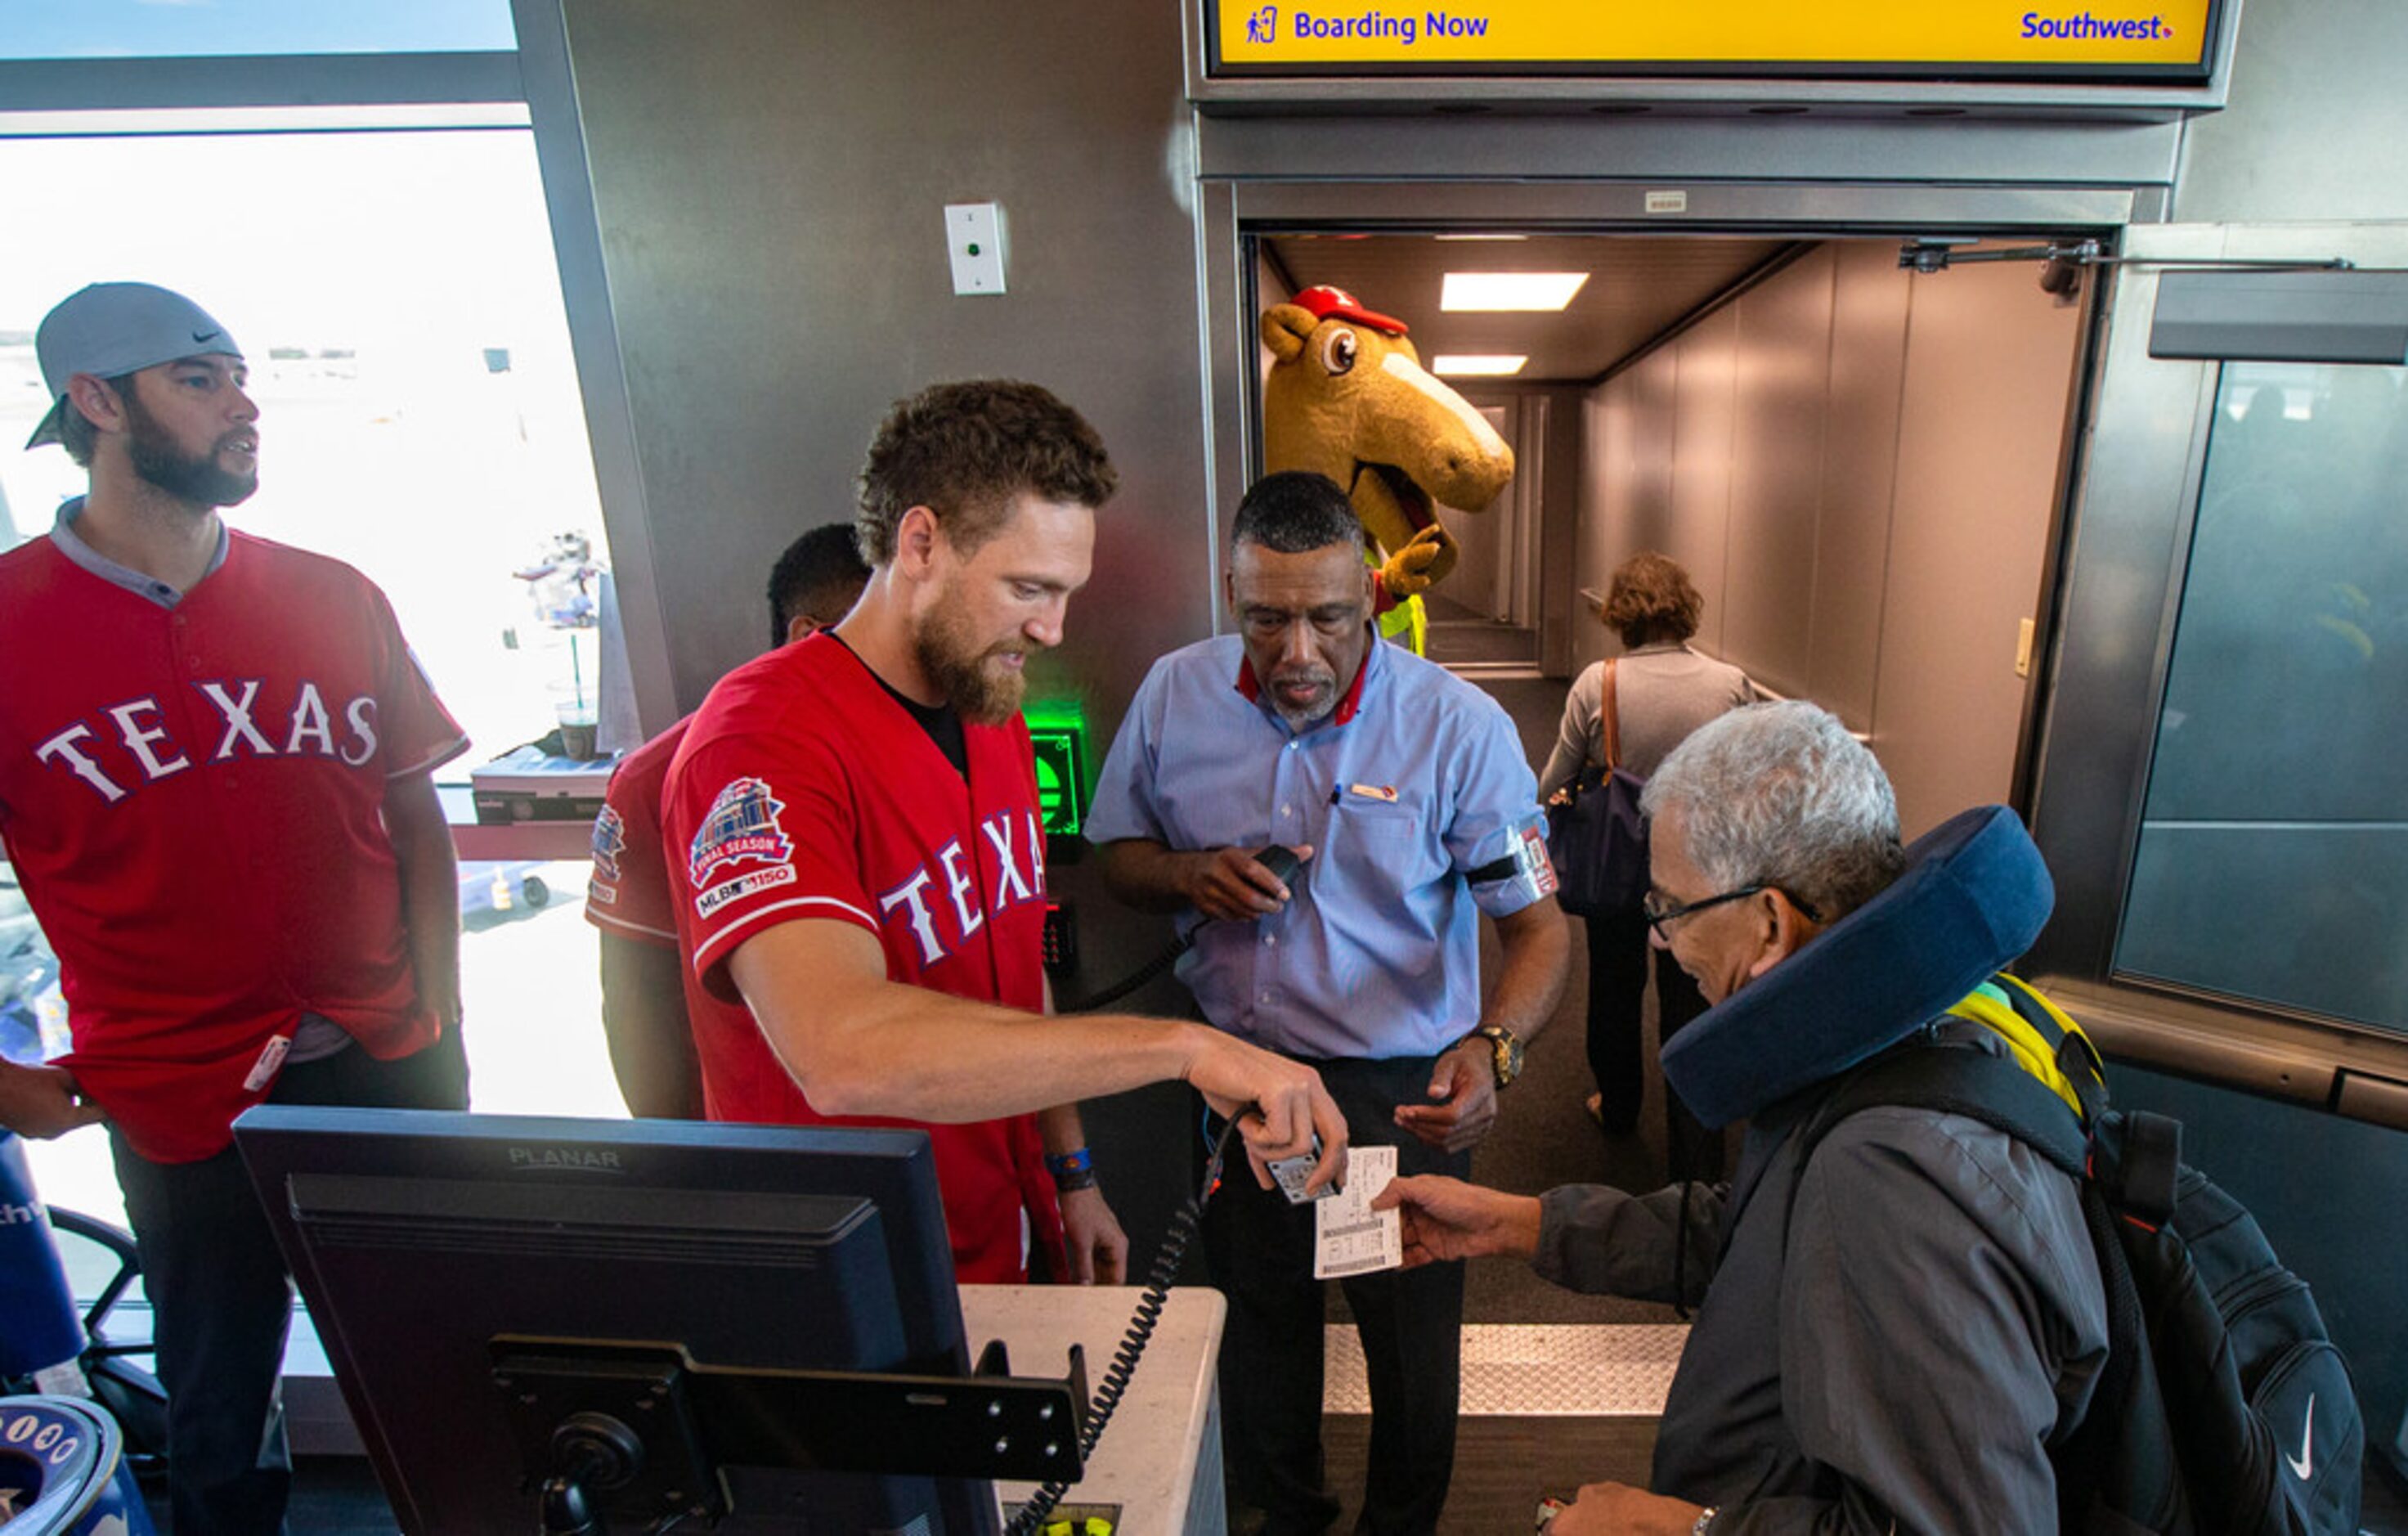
1322, 302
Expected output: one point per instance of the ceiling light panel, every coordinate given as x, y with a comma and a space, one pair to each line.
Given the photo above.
1469, 290
1477, 365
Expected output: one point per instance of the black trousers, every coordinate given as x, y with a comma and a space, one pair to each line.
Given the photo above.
1258, 1250
220, 1295
1617, 987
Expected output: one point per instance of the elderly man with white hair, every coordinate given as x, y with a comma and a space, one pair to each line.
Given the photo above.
1896, 1330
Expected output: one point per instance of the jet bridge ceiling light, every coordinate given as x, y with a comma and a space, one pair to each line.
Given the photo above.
1494, 291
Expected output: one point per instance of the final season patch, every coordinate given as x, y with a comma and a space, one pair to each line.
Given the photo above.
610, 842
742, 824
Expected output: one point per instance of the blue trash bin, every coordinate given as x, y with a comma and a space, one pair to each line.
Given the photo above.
40, 1326
62, 1472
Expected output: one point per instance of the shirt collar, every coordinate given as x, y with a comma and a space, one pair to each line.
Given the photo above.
1251, 687
140, 583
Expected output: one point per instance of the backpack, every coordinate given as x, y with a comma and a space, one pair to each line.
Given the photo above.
2223, 1406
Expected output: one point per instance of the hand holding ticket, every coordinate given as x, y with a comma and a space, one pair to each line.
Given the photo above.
1349, 1236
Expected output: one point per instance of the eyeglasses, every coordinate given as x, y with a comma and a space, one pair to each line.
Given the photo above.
1660, 915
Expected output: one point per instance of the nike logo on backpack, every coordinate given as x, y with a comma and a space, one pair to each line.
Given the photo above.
2305, 1462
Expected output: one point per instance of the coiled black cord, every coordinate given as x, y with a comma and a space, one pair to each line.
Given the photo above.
1144, 973
1143, 1322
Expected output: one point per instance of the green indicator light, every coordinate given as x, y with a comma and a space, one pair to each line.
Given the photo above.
1057, 735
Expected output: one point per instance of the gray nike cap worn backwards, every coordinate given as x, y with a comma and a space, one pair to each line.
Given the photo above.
111, 329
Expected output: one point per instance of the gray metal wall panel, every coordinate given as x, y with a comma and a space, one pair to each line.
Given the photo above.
1564, 623
2315, 125
1654, 386
1989, 363
1860, 468
1609, 471
1705, 402
1784, 364
1795, 470
769, 190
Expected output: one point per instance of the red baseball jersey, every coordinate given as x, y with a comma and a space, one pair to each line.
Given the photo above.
191, 798
803, 790
628, 892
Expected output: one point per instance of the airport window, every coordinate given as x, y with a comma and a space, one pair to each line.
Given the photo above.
106, 29
395, 296
397, 300
2272, 858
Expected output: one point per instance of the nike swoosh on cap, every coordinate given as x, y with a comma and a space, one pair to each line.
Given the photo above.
2305, 1462
206, 335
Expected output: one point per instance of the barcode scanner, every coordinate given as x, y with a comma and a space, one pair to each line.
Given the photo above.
1282, 862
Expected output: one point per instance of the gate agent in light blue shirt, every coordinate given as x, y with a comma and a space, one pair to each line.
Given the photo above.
1408, 790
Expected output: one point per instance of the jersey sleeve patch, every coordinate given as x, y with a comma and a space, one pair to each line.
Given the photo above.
610, 842
708, 901
740, 826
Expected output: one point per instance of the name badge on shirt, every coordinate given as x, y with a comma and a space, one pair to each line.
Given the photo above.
1385, 794
271, 1056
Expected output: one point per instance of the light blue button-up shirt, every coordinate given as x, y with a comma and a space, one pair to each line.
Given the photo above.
1416, 780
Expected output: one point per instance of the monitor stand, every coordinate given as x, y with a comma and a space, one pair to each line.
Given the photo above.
641, 1432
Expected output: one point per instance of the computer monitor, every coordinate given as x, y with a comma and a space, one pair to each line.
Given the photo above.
503, 1299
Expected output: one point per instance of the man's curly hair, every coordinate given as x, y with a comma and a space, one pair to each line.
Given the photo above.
965, 450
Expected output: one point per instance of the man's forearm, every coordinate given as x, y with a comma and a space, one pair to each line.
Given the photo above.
863, 1046
1536, 947
1061, 1129
644, 1024
430, 892
1148, 875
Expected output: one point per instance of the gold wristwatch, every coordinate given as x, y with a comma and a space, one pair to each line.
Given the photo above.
1506, 1048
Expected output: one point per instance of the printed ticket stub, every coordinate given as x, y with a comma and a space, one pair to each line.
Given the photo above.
1349, 1236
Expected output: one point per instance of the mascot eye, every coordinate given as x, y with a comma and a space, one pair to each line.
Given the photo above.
1337, 353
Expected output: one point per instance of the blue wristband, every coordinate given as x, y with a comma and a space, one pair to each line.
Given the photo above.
1074, 1170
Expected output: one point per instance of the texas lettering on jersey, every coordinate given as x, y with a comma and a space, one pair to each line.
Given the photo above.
126, 745
1019, 876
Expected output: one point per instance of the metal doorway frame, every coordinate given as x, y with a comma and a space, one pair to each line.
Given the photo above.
1231, 210
2127, 558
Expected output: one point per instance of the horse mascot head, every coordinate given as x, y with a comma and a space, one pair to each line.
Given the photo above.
1348, 397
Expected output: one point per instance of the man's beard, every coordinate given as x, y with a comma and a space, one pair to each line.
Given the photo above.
187, 477
951, 658
1323, 705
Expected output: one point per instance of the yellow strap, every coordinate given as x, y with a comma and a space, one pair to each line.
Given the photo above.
1989, 1006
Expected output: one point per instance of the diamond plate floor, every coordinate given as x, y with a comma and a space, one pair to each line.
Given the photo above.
1594, 1370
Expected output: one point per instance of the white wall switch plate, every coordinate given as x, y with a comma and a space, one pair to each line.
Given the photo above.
974, 240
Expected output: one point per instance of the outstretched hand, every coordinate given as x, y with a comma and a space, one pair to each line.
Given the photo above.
1279, 1106
1447, 1218
1463, 1099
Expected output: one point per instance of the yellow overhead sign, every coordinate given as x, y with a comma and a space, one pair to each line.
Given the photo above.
2010, 37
